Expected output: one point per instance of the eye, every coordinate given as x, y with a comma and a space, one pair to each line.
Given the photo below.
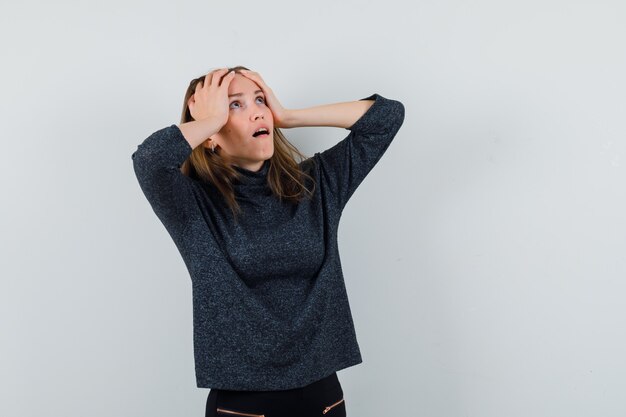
262, 99
231, 104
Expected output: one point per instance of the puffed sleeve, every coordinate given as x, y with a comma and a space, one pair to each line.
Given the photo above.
157, 163
344, 166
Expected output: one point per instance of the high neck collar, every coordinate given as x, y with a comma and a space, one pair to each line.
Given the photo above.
253, 177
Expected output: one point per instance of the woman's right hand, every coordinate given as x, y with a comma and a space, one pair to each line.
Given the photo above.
210, 99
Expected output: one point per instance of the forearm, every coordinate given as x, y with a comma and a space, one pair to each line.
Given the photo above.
197, 131
333, 115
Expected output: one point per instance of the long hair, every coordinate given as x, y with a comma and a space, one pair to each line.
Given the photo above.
285, 178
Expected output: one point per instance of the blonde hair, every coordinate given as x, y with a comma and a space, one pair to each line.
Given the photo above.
285, 178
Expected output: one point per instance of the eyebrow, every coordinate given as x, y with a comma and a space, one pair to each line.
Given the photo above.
240, 94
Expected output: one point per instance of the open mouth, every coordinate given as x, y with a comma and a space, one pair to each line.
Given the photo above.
261, 132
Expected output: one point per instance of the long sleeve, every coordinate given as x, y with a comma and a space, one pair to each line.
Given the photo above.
345, 165
265, 317
157, 162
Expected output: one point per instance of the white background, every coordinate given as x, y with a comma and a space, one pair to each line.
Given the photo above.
483, 255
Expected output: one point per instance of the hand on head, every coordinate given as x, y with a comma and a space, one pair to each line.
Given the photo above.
279, 113
210, 99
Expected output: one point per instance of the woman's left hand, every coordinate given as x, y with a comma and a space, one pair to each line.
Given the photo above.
280, 114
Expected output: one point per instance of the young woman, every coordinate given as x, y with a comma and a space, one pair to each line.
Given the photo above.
257, 231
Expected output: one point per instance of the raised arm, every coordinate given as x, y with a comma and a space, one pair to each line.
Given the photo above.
208, 106
343, 114
344, 166
157, 162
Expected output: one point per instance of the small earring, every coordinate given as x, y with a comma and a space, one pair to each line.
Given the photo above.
213, 147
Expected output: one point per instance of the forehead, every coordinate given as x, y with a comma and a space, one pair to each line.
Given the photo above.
241, 84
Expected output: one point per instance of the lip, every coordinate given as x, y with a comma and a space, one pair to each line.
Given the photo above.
269, 131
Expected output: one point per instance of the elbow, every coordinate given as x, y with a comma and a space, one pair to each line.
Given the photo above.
397, 114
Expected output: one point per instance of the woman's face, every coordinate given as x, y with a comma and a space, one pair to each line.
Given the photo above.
247, 114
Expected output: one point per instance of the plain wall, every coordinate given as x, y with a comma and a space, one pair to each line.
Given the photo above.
483, 255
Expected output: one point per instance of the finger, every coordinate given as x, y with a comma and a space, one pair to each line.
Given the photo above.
249, 74
217, 76
227, 79
199, 85
208, 79
254, 77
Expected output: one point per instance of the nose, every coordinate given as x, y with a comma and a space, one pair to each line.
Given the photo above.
257, 115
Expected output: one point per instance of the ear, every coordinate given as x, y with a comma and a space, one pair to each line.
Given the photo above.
210, 142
